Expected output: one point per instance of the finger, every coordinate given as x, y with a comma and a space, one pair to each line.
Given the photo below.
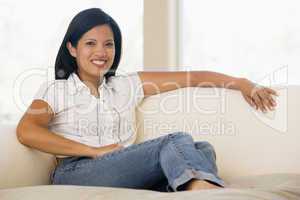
270, 98
264, 99
269, 104
255, 90
267, 99
258, 102
271, 91
272, 102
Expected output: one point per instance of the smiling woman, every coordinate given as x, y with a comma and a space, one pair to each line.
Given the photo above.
87, 90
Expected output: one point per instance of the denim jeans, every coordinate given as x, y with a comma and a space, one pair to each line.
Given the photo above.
162, 164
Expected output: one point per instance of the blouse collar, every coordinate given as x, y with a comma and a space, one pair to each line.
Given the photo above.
79, 84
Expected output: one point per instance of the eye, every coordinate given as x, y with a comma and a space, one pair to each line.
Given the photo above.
90, 43
110, 44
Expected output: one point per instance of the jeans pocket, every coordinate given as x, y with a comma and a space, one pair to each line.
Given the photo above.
70, 163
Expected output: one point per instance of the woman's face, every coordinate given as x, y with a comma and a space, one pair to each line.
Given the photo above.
95, 52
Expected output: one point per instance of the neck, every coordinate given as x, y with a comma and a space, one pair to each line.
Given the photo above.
92, 82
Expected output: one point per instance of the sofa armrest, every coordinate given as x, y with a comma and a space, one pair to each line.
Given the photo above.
21, 165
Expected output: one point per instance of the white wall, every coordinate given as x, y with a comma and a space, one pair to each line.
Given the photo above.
257, 39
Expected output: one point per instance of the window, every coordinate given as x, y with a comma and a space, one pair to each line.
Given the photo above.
259, 40
31, 33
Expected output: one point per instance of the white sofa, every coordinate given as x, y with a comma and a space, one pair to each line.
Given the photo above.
258, 155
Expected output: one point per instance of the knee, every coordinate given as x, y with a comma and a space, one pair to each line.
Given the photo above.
180, 136
206, 146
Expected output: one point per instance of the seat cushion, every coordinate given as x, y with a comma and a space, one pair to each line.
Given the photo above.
267, 187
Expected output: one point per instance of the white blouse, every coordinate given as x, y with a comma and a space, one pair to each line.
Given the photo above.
80, 116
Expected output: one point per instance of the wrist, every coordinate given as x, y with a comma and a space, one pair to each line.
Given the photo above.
236, 83
91, 151
240, 82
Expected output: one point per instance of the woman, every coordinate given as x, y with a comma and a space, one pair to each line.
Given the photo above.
86, 116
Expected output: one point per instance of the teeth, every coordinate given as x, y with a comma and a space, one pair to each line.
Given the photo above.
98, 62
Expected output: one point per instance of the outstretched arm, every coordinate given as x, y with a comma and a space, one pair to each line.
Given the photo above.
159, 82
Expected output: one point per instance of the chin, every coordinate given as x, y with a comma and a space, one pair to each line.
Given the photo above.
100, 73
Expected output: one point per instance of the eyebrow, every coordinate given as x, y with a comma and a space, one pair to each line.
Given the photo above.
108, 40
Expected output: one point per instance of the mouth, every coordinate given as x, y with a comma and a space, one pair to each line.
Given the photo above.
101, 63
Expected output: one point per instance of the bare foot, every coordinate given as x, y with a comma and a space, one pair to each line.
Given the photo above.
195, 184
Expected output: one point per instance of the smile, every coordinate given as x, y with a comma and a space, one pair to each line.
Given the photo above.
99, 63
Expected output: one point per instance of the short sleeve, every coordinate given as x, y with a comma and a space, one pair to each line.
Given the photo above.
136, 87
49, 92
129, 87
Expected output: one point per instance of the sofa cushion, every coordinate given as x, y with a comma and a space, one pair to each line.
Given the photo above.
267, 187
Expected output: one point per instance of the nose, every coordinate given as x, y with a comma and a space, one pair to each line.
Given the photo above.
101, 51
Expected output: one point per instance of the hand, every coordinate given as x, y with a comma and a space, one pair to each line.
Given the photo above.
100, 151
257, 96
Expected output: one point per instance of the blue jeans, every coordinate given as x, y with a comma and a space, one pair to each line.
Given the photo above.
162, 164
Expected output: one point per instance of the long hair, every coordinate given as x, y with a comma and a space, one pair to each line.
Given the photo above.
65, 63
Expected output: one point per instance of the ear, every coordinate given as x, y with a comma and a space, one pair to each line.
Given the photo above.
72, 50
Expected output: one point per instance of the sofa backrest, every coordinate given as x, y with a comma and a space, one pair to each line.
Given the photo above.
247, 142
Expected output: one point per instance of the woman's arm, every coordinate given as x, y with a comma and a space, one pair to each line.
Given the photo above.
158, 82
33, 132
